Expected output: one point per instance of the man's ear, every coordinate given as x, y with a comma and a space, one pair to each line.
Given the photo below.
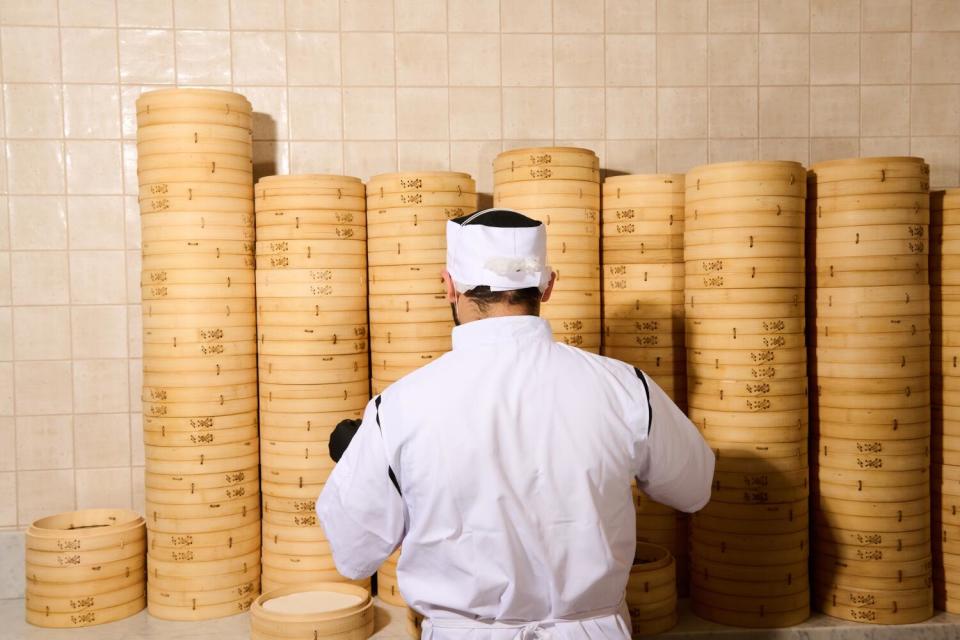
448, 284
549, 289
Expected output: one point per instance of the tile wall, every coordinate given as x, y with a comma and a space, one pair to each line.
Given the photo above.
366, 86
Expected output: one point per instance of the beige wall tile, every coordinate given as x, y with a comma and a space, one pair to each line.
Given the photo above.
870, 147
428, 155
40, 277
313, 58
885, 15
578, 60
270, 112
43, 389
4, 217
41, 333
936, 15
135, 376
136, 439
315, 113
209, 14
784, 16
99, 488
35, 167
631, 113
203, 57
44, 442
270, 158
38, 54
422, 59
733, 59
100, 386
131, 181
134, 331
833, 148
88, 13
476, 158
8, 518
133, 262
365, 159
29, 12
934, 110
784, 112
473, 15
369, 114
91, 111
468, 48
883, 58
38, 222
734, 150
578, 16
102, 440
884, 110
93, 167
366, 15
681, 60
835, 58
682, 16
835, 15
577, 113
89, 55
256, 15
259, 58
631, 16
131, 210
97, 277
313, 15
475, 113
40, 493
631, 60
733, 112
682, 113
145, 13
423, 114
784, 59
631, 157
7, 389
6, 334
32, 110
934, 57
734, 16
8, 449
137, 475
97, 222
146, 55
943, 155
526, 60
679, 156
529, 16
835, 111
99, 331
367, 59
527, 113
796, 149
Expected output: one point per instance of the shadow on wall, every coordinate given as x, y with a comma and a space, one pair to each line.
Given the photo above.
264, 164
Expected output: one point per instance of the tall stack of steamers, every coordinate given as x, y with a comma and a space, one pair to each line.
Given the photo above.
202, 488
747, 389
312, 340
560, 187
872, 371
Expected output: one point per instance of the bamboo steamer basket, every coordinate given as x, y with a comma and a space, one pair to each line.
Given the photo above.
293, 613
546, 157
193, 98
429, 181
447, 199
308, 200
300, 218
167, 146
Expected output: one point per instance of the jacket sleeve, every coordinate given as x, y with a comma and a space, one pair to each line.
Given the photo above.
674, 463
360, 508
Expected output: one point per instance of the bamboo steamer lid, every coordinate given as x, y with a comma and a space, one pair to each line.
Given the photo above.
616, 186
187, 98
308, 180
542, 206
742, 188
420, 181
44, 606
546, 156
747, 170
879, 168
414, 199
162, 115
77, 577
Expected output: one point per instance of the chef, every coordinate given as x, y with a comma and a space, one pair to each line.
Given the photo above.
504, 466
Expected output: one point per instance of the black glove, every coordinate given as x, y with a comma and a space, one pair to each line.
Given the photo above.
342, 435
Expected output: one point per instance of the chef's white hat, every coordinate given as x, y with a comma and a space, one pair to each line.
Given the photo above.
500, 248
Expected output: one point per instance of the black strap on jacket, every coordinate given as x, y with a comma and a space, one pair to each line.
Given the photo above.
393, 477
646, 389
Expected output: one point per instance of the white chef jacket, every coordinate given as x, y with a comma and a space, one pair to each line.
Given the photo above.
512, 457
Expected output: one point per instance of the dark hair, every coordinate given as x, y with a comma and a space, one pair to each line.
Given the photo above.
483, 297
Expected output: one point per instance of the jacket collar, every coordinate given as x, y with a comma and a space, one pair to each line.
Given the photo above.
503, 329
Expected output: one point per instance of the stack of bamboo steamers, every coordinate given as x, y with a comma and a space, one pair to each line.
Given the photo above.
872, 371
747, 384
643, 311
410, 317
945, 426
560, 186
312, 340
199, 355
